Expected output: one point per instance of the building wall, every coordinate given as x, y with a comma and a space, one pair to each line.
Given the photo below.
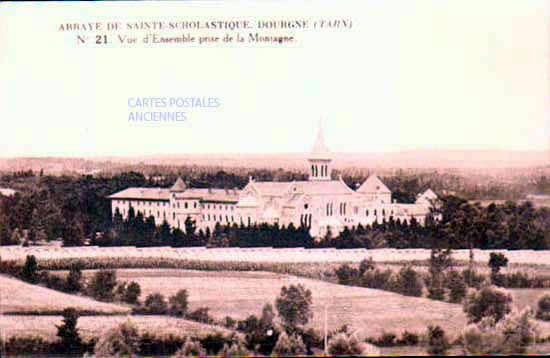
349, 210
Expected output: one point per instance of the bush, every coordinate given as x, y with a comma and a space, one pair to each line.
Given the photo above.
179, 303
347, 275
343, 344
408, 339
487, 302
29, 272
155, 304
366, 265
213, 343
120, 340
473, 279
456, 286
190, 348
52, 281
132, 293
376, 279
229, 322
200, 315
237, 349
312, 339
543, 311
289, 345
437, 342
102, 285
512, 335
386, 339
408, 282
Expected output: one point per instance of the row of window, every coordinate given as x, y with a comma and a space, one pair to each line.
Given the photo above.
219, 207
315, 170
140, 202
376, 213
185, 205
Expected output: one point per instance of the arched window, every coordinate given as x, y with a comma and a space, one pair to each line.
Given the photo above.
367, 212
195, 204
383, 212
312, 170
173, 216
185, 204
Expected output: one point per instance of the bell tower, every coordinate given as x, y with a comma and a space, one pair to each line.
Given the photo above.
319, 160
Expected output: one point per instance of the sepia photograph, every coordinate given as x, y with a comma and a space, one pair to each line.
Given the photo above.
275, 178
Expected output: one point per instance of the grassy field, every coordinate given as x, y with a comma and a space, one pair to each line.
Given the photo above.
239, 294
94, 326
18, 296
525, 297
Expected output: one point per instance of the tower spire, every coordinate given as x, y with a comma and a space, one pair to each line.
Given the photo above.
319, 146
319, 158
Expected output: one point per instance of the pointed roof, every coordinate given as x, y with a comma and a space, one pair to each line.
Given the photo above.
179, 185
373, 185
426, 197
320, 150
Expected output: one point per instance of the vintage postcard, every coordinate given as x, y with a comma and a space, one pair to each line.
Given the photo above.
274, 178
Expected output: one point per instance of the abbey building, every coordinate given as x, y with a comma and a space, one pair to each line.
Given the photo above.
320, 203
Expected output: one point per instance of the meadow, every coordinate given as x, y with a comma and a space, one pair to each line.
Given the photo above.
94, 326
18, 296
238, 294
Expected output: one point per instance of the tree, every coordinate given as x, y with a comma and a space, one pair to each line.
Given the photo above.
155, 304
294, 306
132, 292
29, 272
68, 333
408, 282
343, 344
456, 286
74, 279
73, 233
437, 341
179, 303
122, 340
487, 302
102, 285
440, 261
496, 261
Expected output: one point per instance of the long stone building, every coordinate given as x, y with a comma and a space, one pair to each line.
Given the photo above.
319, 202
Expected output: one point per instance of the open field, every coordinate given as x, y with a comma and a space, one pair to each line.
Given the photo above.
239, 294
93, 326
262, 254
524, 297
18, 296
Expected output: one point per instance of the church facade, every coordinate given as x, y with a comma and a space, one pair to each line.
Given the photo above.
320, 202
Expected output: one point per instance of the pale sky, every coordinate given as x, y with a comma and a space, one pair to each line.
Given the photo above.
408, 75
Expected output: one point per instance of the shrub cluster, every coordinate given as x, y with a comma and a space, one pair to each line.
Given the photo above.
406, 282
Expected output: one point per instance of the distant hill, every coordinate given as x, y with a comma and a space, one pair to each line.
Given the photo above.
420, 159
